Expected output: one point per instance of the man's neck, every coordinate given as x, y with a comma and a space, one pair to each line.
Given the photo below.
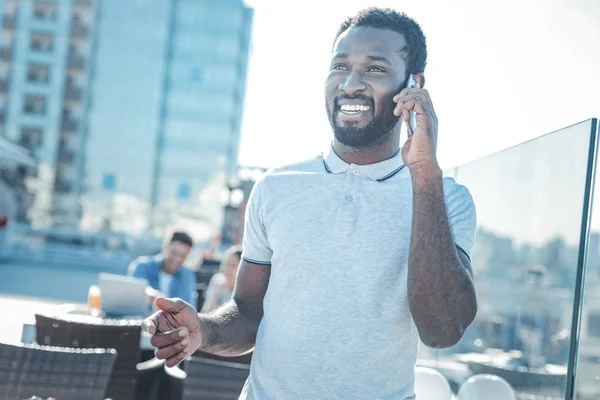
381, 151
162, 268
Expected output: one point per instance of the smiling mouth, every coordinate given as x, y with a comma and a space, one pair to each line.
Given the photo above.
354, 109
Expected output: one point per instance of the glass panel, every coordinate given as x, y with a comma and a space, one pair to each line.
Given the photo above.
529, 202
588, 362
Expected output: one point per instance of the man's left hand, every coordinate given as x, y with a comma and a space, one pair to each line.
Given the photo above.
419, 150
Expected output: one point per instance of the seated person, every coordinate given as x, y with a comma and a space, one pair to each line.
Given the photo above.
165, 272
220, 287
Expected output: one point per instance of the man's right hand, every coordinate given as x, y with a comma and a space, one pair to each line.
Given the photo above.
175, 330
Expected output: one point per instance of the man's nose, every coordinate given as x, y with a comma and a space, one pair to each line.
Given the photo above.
353, 83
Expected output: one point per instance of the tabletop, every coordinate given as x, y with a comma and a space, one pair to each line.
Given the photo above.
17, 318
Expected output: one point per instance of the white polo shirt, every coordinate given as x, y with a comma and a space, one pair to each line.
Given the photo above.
337, 323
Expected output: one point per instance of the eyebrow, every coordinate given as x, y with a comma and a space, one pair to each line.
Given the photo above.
371, 58
379, 59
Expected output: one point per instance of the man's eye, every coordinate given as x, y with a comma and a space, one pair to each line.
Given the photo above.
375, 69
339, 67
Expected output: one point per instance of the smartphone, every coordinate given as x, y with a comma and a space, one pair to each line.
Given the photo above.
412, 120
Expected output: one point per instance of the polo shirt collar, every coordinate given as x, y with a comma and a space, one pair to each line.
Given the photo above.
378, 172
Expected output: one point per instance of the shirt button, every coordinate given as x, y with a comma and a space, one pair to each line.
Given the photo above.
356, 172
348, 197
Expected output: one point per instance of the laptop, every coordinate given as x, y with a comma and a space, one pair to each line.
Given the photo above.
123, 295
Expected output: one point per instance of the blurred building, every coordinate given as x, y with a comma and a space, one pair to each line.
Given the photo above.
138, 98
16, 162
168, 93
45, 50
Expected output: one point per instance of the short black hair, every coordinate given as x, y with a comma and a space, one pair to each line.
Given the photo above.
181, 237
386, 18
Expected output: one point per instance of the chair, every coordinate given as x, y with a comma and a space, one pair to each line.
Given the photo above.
157, 381
212, 380
122, 335
243, 359
177, 373
63, 373
431, 385
488, 387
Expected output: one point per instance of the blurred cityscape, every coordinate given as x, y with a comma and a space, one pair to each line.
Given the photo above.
120, 119
131, 110
523, 328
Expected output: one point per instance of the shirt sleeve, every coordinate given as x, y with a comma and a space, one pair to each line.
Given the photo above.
137, 270
256, 248
461, 215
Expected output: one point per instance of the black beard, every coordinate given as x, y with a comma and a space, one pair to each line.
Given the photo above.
373, 133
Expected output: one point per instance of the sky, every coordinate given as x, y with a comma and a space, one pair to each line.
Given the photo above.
499, 73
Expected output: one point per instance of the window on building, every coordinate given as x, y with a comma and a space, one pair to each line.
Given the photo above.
39, 73
42, 42
31, 137
79, 26
184, 191
34, 105
44, 10
109, 181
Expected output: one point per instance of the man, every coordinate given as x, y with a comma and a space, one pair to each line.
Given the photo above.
165, 272
351, 256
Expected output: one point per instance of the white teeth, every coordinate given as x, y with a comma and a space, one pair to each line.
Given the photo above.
354, 107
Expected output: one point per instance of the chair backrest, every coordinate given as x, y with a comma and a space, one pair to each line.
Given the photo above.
486, 386
431, 385
212, 380
63, 373
122, 335
243, 359
210, 264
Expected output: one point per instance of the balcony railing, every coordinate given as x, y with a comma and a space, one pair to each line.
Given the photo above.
79, 30
69, 125
86, 3
5, 54
65, 144
30, 143
76, 61
66, 156
9, 22
72, 93
63, 186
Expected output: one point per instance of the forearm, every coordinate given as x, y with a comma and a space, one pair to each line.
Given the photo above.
440, 289
229, 330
